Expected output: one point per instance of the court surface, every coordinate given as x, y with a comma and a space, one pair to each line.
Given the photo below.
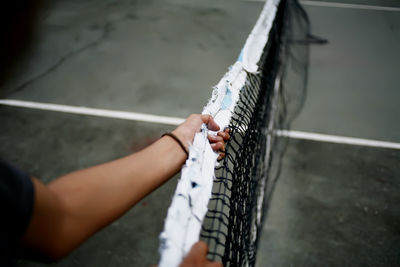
334, 204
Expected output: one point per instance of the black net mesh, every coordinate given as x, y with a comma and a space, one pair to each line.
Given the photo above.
246, 176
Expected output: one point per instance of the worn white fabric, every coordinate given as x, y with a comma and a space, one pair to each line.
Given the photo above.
189, 204
258, 37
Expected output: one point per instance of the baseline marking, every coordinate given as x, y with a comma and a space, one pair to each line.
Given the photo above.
125, 115
337, 139
341, 5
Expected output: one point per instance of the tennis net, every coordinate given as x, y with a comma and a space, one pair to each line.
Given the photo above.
224, 203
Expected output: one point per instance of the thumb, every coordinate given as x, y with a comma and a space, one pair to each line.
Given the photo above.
211, 123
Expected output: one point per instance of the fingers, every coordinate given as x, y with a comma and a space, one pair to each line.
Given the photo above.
225, 134
218, 146
197, 257
215, 138
212, 125
187, 130
199, 249
215, 264
220, 137
218, 142
221, 156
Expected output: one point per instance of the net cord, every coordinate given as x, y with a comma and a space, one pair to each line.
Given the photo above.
189, 204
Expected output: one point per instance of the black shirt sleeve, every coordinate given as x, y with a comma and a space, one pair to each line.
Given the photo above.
16, 205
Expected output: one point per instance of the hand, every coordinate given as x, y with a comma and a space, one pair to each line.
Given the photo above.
197, 257
186, 131
218, 142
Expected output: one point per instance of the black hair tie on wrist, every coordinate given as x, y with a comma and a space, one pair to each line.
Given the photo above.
178, 141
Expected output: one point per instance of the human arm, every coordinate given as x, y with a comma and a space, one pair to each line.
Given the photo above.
72, 208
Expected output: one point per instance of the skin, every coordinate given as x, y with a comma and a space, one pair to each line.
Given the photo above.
197, 257
75, 206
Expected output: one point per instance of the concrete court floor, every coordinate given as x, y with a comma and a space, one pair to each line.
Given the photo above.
157, 57
319, 216
338, 205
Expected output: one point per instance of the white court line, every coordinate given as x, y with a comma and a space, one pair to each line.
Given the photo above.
124, 115
345, 5
337, 139
342, 5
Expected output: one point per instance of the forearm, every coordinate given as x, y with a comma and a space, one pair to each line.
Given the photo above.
100, 194
85, 201
73, 207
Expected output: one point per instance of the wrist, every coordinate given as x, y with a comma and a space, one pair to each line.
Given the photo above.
185, 137
177, 139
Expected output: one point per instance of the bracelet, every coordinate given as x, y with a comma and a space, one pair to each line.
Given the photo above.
178, 141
